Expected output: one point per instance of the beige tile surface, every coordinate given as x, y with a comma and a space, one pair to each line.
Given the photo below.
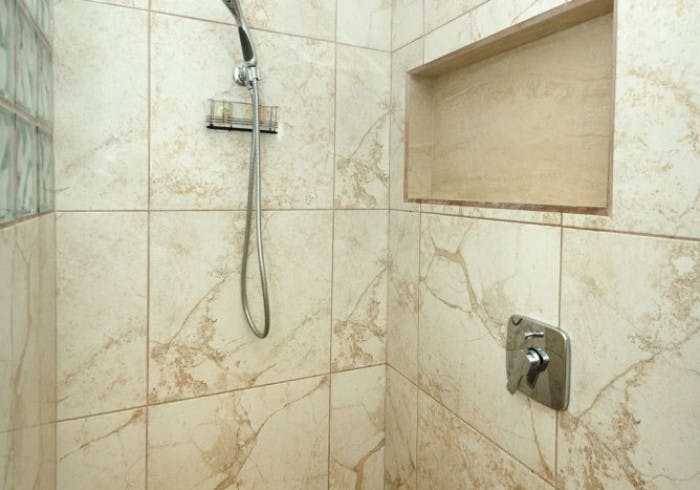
365, 23
474, 275
27, 458
193, 167
101, 311
402, 295
199, 341
438, 12
401, 432
357, 429
656, 167
101, 125
630, 305
406, 22
452, 455
7, 238
359, 289
261, 438
362, 129
106, 451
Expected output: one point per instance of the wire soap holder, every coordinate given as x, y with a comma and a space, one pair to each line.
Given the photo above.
238, 116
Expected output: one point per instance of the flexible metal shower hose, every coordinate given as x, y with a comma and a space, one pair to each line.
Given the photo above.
254, 187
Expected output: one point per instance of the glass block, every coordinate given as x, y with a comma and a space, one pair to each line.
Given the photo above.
46, 172
27, 180
44, 82
26, 64
44, 17
7, 177
32, 6
7, 54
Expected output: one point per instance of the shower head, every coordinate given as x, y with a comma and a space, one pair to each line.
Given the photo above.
247, 46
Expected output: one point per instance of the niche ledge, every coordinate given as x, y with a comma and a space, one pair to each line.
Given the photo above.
522, 119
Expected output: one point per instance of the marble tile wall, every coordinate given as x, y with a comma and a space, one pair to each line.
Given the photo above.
625, 287
160, 383
27, 248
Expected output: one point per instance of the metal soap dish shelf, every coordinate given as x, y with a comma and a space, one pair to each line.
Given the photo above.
238, 116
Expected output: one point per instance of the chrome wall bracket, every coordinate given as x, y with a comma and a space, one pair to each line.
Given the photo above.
538, 358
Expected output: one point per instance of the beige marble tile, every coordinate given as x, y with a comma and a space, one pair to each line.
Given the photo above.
402, 60
261, 438
439, 12
538, 217
401, 432
365, 23
359, 289
7, 239
100, 62
630, 304
406, 22
656, 167
402, 321
362, 129
106, 451
101, 311
196, 168
453, 455
474, 275
200, 342
487, 19
314, 19
46, 314
27, 458
140, 4
357, 429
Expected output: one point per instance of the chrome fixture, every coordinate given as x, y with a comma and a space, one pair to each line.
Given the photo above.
538, 359
247, 75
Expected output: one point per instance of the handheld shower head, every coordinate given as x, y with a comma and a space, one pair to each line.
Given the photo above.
247, 45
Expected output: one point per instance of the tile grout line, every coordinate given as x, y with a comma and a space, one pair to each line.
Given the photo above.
559, 321
148, 240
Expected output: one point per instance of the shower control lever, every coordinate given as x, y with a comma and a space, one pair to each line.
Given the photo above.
528, 365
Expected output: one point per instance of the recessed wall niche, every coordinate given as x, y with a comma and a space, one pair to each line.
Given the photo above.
521, 119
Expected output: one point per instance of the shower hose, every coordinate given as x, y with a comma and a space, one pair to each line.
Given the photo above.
254, 199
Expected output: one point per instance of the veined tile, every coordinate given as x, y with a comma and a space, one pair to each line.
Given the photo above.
656, 167
357, 429
401, 432
402, 318
365, 23
200, 342
261, 438
27, 457
101, 305
197, 168
7, 241
362, 129
46, 318
630, 304
106, 451
101, 121
359, 289
452, 455
438, 12
406, 22
474, 275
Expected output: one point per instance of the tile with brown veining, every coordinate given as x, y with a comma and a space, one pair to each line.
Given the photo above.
357, 429
406, 22
474, 275
193, 167
630, 304
106, 451
199, 340
402, 296
401, 436
365, 23
101, 114
402, 60
269, 437
101, 311
27, 458
438, 12
656, 167
7, 239
46, 315
452, 455
362, 129
359, 289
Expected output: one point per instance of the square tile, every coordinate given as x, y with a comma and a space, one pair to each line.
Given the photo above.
407, 22
27, 61
7, 51
7, 166
27, 202
365, 23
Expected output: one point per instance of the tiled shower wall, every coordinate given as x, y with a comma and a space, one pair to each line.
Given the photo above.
160, 384
624, 287
27, 248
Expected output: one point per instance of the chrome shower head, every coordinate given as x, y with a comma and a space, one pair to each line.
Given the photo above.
247, 46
